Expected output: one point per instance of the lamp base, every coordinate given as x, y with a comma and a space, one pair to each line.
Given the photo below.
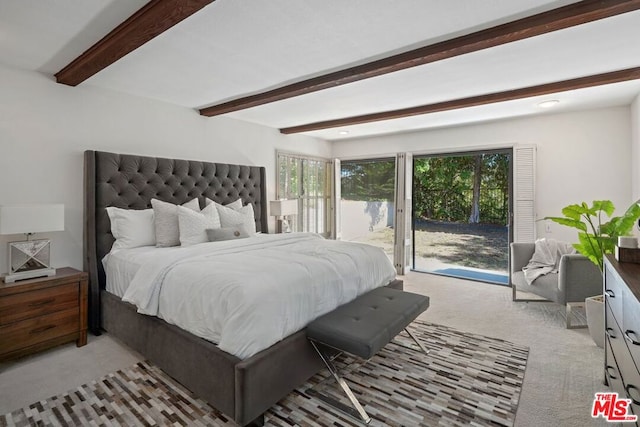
42, 272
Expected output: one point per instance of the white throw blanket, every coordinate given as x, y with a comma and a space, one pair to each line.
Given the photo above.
546, 258
247, 294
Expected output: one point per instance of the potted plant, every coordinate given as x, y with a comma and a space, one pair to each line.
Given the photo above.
596, 238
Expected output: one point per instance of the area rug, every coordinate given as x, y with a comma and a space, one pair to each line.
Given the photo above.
466, 379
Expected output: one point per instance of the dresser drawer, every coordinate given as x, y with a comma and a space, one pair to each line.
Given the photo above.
23, 334
613, 291
25, 305
617, 341
611, 371
631, 325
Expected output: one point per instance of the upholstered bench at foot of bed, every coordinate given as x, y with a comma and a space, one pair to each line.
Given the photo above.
363, 327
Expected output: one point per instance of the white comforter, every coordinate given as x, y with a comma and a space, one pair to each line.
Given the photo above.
246, 295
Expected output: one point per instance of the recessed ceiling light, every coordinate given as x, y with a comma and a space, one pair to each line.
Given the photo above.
548, 104
344, 132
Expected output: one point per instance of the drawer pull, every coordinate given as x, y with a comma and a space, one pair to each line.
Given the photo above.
609, 332
636, 391
610, 293
42, 329
609, 369
41, 303
633, 340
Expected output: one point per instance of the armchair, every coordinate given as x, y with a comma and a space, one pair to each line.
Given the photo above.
577, 279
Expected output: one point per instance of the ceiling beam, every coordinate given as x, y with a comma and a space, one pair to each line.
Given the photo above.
150, 21
510, 95
553, 20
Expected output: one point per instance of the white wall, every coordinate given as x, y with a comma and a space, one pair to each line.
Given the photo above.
581, 156
45, 128
635, 149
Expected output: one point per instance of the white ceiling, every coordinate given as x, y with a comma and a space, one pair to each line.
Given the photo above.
234, 48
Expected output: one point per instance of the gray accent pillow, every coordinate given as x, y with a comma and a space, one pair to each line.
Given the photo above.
227, 233
166, 221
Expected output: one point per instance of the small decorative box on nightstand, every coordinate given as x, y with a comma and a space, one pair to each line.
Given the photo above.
36, 314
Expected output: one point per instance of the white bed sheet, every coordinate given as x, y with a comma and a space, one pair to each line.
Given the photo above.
246, 295
121, 266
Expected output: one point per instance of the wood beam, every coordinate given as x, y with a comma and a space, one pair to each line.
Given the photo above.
151, 20
545, 22
510, 95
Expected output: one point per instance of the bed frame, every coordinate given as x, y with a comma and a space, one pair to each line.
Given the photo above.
241, 389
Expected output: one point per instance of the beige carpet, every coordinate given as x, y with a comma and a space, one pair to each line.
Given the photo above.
466, 379
564, 368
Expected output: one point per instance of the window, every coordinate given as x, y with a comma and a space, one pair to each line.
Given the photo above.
306, 179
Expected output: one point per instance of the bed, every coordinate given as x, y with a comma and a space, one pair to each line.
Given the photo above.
242, 389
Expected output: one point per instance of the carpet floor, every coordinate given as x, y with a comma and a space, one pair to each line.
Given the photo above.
466, 379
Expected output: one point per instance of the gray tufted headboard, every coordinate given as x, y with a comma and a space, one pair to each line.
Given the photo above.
130, 181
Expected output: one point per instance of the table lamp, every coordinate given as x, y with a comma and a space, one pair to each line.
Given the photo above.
30, 258
283, 209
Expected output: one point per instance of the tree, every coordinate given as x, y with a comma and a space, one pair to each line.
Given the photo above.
474, 218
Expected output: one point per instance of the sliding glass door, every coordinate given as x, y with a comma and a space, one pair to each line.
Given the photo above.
367, 202
461, 214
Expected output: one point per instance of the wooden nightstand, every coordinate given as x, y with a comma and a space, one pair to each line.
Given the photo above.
40, 313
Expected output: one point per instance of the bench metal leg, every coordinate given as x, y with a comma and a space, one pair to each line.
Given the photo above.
359, 412
413, 337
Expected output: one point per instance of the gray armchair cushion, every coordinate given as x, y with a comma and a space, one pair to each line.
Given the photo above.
577, 277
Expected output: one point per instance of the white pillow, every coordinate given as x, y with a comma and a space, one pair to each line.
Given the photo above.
132, 227
193, 225
243, 216
166, 221
235, 205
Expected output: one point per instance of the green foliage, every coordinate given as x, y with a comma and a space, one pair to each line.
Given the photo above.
596, 238
371, 181
443, 188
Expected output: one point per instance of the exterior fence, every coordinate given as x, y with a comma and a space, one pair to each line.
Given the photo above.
455, 205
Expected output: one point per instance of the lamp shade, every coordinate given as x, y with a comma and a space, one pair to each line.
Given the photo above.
283, 207
18, 219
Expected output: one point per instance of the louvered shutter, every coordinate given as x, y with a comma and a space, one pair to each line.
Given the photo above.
524, 171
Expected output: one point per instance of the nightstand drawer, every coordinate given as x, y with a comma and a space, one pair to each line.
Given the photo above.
26, 305
33, 331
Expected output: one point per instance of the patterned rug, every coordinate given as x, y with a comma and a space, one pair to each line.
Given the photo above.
466, 379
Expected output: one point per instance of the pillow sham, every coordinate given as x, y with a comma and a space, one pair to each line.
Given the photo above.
131, 227
227, 233
193, 225
166, 221
231, 217
235, 205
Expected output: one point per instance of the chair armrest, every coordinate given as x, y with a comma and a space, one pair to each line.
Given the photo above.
578, 278
521, 254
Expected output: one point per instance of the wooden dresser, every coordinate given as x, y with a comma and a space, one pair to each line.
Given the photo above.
622, 326
40, 313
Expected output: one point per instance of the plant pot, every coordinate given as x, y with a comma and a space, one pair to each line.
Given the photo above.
594, 307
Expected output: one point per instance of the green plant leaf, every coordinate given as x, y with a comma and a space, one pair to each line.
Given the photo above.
604, 205
590, 247
575, 211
